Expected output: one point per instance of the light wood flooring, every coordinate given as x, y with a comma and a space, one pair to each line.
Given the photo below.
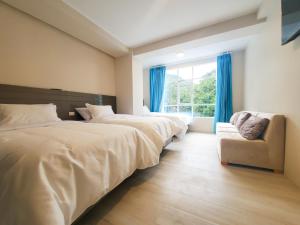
191, 187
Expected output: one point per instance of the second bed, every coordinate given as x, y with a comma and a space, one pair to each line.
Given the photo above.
159, 130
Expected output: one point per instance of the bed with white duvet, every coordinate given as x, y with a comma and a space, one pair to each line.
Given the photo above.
158, 129
51, 172
181, 121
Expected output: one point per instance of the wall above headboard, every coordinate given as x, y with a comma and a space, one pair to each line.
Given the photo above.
66, 101
35, 54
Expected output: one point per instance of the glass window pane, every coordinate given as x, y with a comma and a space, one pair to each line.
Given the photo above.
204, 91
204, 70
185, 91
193, 85
204, 110
185, 110
185, 73
170, 109
170, 94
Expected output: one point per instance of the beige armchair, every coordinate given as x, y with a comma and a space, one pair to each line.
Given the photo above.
267, 152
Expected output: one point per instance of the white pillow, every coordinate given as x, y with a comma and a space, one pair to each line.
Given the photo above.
84, 113
19, 115
99, 111
146, 110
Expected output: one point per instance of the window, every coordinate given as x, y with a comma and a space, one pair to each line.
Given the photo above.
191, 90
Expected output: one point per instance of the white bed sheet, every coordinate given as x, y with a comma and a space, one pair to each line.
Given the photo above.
51, 174
158, 129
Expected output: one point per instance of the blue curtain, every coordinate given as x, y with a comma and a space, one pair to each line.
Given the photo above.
157, 83
223, 109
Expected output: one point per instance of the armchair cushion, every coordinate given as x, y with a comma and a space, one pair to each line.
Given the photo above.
253, 127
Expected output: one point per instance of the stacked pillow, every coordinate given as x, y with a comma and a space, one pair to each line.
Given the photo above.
243, 116
13, 115
99, 111
84, 113
95, 111
249, 126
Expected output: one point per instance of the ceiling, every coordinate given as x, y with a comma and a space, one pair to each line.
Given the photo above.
138, 22
151, 28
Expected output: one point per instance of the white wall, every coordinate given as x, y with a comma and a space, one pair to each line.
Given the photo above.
124, 89
238, 76
137, 84
205, 124
272, 82
202, 124
129, 85
146, 87
34, 54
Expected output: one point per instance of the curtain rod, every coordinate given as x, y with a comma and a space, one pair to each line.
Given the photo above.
226, 52
152, 67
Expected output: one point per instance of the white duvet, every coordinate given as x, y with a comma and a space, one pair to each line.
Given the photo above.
158, 129
49, 175
181, 121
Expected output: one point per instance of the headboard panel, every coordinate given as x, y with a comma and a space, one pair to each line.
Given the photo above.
66, 101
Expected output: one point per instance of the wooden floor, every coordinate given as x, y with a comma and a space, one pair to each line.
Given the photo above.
190, 186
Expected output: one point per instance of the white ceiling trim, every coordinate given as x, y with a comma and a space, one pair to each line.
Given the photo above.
242, 22
233, 35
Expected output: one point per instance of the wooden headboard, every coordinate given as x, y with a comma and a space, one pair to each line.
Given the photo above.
66, 101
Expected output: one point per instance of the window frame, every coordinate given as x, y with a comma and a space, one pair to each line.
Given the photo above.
191, 104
